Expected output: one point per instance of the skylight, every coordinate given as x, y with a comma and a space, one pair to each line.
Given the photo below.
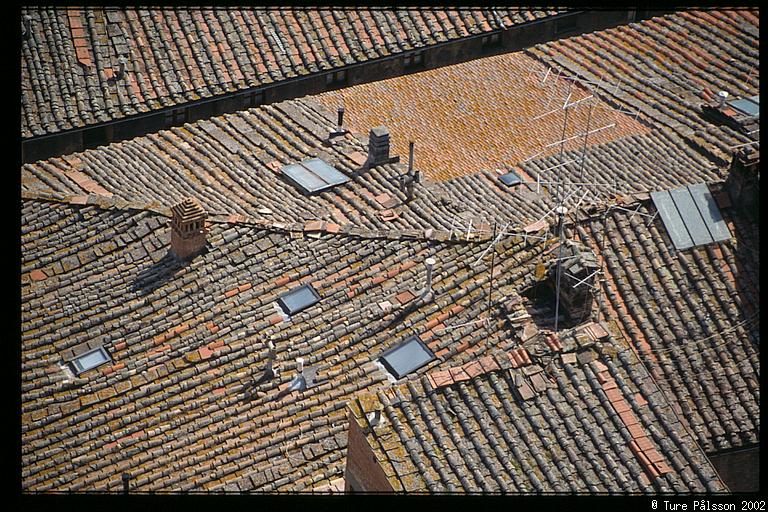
510, 179
691, 216
298, 299
406, 357
749, 106
314, 175
90, 360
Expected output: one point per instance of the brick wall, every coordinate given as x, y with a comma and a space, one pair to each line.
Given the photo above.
363, 472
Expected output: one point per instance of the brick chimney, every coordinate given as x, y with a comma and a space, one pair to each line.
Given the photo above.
577, 282
378, 147
188, 231
743, 182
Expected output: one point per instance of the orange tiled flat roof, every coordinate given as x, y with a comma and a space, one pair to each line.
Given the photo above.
476, 115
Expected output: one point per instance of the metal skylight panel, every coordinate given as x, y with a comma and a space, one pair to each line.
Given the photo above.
747, 106
314, 175
672, 220
298, 299
707, 206
407, 357
90, 360
691, 216
510, 179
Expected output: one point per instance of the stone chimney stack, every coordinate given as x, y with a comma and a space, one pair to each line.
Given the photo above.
188, 231
743, 182
578, 281
378, 147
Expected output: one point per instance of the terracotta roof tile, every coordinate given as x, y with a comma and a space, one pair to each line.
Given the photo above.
177, 56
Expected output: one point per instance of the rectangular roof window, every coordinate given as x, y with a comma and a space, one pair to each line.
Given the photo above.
510, 179
90, 360
406, 357
691, 216
314, 175
747, 106
298, 299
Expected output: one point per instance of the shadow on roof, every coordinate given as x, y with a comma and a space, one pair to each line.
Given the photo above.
154, 276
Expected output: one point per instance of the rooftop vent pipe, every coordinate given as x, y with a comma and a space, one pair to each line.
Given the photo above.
300, 364
340, 122
721, 97
410, 178
120, 68
339, 131
375, 418
272, 370
126, 482
427, 293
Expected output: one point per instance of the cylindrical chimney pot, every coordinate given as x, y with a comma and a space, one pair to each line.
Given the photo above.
410, 157
126, 480
341, 117
300, 364
430, 263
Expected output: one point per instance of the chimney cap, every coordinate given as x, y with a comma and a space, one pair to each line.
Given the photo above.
380, 131
188, 209
430, 262
723, 94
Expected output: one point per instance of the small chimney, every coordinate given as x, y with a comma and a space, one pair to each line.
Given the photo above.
300, 364
339, 131
120, 68
378, 146
408, 180
722, 96
743, 181
188, 230
578, 280
430, 263
416, 174
426, 295
126, 482
272, 370
410, 157
340, 120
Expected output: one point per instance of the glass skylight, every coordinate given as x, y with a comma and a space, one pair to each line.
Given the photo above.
314, 175
406, 357
90, 360
298, 299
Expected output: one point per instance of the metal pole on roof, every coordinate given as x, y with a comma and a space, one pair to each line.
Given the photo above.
602, 263
561, 211
562, 146
584, 148
490, 286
